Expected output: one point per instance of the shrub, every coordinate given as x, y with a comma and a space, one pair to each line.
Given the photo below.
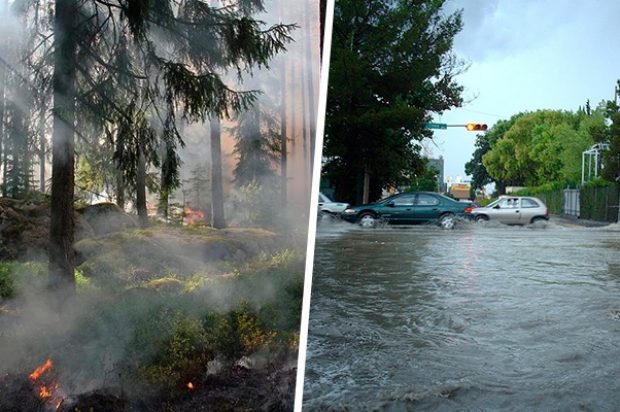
7, 282
237, 333
168, 349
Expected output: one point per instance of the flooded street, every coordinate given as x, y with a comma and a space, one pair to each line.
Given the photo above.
481, 318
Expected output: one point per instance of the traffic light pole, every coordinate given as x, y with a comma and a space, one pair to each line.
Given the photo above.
471, 127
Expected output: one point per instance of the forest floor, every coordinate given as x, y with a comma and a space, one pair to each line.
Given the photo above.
166, 318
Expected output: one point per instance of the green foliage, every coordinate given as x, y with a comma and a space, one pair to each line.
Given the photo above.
611, 157
475, 167
16, 277
237, 333
17, 141
82, 282
540, 147
391, 66
7, 283
426, 180
197, 189
170, 346
599, 202
598, 182
545, 188
256, 205
257, 147
168, 349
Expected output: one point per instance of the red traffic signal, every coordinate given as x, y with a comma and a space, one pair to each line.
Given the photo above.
476, 127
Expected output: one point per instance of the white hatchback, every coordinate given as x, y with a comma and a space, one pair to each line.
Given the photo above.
513, 210
329, 206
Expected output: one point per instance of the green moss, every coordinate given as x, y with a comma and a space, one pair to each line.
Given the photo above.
82, 282
165, 285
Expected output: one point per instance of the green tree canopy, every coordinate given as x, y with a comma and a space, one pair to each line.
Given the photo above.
536, 148
391, 67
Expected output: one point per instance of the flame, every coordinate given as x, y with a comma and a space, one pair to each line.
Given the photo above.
190, 386
36, 374
192, 216
44, 392
46, 385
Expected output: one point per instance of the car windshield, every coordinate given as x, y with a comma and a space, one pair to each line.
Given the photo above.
324, 198
493, 203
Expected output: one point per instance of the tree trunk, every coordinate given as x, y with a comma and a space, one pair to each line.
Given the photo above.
283, 139
120, 189
141, 190
217, 190
366, 190
304, 132
42, 145
120, 181
163, 203
61, 255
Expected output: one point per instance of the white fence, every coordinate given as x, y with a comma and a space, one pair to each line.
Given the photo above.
571, 202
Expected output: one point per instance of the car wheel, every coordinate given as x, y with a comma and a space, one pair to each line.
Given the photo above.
322, 217
538, 220
447, 221
481, 218
368, 220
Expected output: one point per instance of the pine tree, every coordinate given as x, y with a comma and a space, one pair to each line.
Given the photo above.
207, 42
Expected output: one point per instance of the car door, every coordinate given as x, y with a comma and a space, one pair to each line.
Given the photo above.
427, 207
322, 200
399, 209
507, 211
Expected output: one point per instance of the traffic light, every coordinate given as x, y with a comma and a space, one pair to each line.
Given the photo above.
476, 127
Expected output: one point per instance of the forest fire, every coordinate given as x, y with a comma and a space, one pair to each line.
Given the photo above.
193, 216
46, 385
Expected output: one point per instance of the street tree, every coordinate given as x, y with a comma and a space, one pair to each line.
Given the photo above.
611, 157
532, 149
391, 67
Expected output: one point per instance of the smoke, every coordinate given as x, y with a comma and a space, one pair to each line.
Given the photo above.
134, 290
137, 288
292, 76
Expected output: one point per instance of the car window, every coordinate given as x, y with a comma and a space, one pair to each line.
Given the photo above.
427, 200
406, 200
525, 202
322, 197
509, 203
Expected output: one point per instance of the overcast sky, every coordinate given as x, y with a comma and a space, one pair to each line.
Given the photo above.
527, 55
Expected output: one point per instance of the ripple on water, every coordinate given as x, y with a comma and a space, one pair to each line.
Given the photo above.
480, 318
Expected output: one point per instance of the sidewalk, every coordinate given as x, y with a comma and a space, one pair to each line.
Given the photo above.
567, 220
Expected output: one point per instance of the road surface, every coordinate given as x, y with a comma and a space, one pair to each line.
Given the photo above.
480, 318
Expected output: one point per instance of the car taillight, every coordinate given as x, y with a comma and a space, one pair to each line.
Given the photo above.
469, 209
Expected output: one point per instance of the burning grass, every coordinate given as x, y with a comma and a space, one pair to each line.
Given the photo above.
146, 324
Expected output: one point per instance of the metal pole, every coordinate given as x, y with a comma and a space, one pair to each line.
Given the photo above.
596, 163
583, 165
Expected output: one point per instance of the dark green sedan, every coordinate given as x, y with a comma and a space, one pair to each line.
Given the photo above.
410, 208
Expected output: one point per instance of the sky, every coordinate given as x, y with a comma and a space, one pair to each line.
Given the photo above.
526, 55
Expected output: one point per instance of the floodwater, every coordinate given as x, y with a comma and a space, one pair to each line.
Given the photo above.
480, 318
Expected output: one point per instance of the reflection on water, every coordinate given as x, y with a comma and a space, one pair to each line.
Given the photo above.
478, 318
